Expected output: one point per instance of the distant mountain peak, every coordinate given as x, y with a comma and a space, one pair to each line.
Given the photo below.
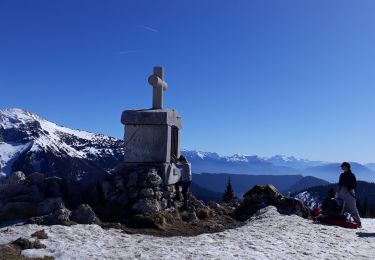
27, 134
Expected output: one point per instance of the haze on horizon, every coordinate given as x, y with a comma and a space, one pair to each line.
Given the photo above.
254, 77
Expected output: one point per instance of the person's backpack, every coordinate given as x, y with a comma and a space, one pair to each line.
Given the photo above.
335, 207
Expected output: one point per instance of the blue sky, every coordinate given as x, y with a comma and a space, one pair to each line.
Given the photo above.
254, 77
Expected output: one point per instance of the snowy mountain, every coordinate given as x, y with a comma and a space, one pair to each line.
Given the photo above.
30, 143
207, 162
238, 164
291, 161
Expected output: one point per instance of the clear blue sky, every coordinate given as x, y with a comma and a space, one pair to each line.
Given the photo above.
256, 77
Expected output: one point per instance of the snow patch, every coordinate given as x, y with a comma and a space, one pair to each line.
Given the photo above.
267, 235
9, 153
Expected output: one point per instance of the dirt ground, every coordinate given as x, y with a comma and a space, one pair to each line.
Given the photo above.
217, 221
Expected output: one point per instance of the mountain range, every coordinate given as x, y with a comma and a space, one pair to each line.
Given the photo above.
30, 143
208, 162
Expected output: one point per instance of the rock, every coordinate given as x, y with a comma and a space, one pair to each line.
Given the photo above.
147, 192
146, 206
58, 217
153, 178
189, 216
84, 215
37, 179
52, 187
203, 213
21, 193
123, 199
133, 194
41, 234
164, 203
132, 179
196, 203
213, 205
119, 183
16, 178
107, 190
17, 210
159, 195
261, 196
37, 220
24, 243
49, 205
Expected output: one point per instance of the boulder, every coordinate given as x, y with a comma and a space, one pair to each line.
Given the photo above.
24, 243
40, 234
49, 205
58, 217
146, 206
84, 215
262, 196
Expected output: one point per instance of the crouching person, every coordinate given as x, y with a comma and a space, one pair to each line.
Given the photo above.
185, 180
346, 192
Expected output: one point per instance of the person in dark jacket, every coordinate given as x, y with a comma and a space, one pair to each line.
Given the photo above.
346, 191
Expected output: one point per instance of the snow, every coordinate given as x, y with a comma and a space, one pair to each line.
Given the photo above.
9, 153
268, 235
308, 199
237, 158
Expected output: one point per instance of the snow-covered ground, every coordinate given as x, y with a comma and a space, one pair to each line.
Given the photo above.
268, 235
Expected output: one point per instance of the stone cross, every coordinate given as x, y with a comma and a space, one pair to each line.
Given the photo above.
159, 85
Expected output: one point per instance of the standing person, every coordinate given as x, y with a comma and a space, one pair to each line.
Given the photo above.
346, 191
186, 178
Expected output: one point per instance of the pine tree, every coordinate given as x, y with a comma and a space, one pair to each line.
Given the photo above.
228, 195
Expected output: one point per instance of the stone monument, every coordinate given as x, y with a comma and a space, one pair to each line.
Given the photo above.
152, 136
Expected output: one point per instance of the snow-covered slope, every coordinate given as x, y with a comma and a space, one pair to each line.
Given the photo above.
291, 161
31, 143
268, 235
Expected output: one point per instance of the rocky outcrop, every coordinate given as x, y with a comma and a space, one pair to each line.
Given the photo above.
38, 200
261, 196
84, 215
138, 190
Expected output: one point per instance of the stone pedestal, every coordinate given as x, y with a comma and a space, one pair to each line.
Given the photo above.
152, 138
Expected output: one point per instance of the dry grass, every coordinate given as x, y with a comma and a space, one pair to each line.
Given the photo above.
12, 252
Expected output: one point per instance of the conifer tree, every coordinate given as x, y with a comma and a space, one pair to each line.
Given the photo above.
228, 195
